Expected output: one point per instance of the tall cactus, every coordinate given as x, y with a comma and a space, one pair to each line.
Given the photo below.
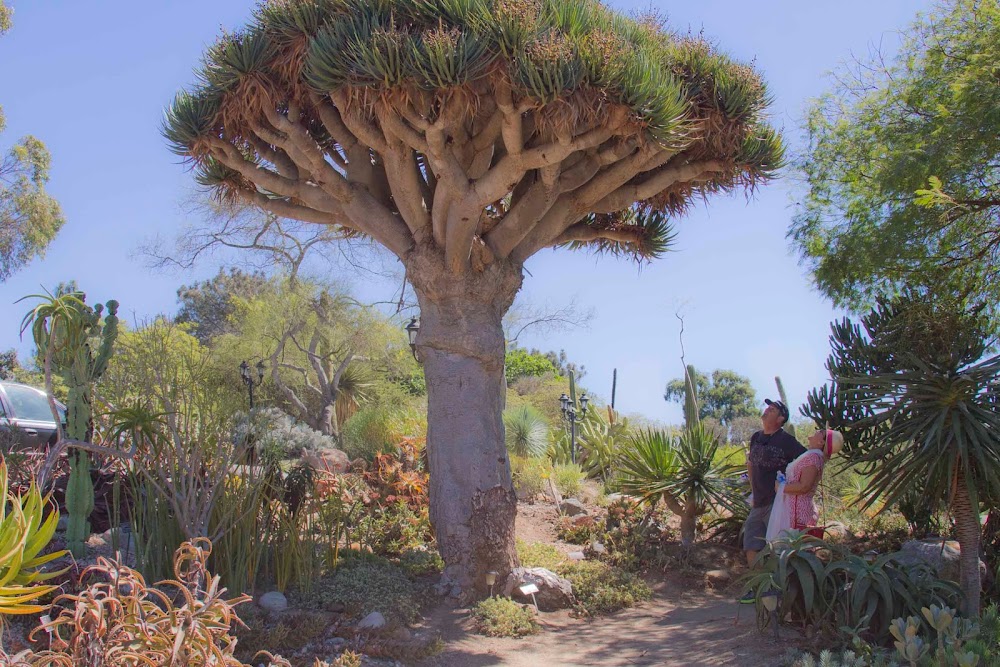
690, 399
789, 426
77, 342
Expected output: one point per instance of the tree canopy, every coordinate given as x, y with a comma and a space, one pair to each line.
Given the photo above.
492, 128
724, 396
29, 217
902, 165
208, 305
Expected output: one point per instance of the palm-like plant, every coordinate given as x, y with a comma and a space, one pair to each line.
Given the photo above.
921, 404
526, 431
682, 472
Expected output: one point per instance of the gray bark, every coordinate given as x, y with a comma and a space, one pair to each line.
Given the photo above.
969, 533
461, 347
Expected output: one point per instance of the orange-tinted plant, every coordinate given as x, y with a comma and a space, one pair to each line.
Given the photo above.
120, 621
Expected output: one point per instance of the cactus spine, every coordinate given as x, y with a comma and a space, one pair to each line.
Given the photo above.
789, 426
77, 341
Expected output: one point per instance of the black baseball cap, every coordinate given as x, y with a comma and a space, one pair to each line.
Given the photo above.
782, 408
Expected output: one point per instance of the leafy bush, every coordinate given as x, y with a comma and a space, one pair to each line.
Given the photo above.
530, 476
604, 589
578, 531
568, 478
289, 632
520, 363
539, 554
369, 432
502, 617
526, 431
828, 587
421, 561
362, 586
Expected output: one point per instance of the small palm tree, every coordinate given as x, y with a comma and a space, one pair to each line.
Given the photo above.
682, 472
527, 432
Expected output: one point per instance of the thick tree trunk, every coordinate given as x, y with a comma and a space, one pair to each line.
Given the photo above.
969, 535
461, 347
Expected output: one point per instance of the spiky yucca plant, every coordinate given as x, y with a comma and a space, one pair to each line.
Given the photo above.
526, 431
682, 472
465, 136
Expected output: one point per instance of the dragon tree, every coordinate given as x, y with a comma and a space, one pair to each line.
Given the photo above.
466, 136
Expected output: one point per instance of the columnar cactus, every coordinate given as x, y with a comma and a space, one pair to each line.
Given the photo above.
789, 426
77, 342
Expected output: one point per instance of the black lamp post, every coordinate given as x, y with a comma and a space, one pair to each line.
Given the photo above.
248, 378
570, 414
411, 331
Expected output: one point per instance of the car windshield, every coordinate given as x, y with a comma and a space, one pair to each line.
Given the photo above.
29, 404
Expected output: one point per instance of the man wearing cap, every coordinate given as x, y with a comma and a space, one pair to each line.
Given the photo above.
771, 449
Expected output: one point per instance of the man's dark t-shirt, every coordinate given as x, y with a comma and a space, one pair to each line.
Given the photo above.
768, 455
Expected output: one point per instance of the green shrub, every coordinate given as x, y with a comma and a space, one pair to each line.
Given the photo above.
502, 617
539, 554
578, 532
526, 431
364, 585
390, 530
530, 476
604, 589
421, 561
368, 433
568, 478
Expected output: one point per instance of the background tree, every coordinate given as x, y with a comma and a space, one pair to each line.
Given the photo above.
319, 347
902, 165
29, 218
724, 396
209, 305
521, 363
916, 398
465, 136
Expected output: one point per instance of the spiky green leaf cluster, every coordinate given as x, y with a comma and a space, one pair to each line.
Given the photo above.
652, 235
549, 49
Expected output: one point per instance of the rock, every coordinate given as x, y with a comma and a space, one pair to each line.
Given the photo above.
598, 548
719, 576
372, 621
554, 592
944, 561
572, 507
836, 529
273, 601
576, 555
331, 461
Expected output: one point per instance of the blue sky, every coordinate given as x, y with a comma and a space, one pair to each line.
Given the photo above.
91, 79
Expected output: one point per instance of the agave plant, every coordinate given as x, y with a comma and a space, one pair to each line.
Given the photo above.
25, 529
526, 431
682, 472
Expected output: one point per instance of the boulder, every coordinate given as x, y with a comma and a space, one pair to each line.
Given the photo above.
554, 592
372, 621
572, 507
274, 601
836, 529
331, 461
944, 560
719, 576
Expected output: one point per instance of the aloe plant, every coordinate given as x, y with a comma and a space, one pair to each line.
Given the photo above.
25, 530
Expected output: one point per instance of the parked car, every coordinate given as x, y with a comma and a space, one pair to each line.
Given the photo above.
25, 416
